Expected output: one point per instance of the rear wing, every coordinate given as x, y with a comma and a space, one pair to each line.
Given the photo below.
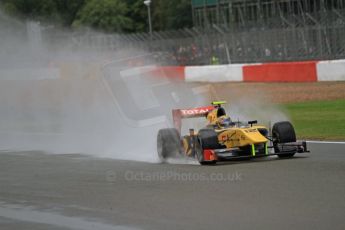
179, 114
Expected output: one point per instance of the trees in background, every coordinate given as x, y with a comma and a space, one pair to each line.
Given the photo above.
33, 9
172, 14
106, 15
68, 10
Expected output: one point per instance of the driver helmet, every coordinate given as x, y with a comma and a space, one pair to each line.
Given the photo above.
224, 121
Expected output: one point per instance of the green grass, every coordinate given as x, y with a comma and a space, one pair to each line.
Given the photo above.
321, 120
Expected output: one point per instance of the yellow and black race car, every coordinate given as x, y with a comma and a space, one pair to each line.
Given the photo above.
224, 139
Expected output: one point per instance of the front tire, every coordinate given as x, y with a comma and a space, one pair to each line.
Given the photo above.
207, 139
283, 132
168, 144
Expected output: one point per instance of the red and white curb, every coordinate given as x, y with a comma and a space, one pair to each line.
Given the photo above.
306, 71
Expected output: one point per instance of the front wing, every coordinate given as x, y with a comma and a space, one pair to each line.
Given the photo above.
237, 153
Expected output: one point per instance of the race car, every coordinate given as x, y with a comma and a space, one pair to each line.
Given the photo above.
224, 139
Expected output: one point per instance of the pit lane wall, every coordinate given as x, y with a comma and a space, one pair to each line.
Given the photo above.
307, 71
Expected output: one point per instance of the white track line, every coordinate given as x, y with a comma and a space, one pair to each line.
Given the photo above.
327, 142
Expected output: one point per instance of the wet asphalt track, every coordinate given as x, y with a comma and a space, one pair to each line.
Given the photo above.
42, 191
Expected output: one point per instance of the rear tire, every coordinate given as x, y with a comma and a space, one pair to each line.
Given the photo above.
168, 144
283, 132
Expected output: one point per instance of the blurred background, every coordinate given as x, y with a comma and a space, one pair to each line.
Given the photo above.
181, 32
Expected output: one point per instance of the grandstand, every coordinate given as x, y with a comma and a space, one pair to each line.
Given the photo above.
272, 30
245, 14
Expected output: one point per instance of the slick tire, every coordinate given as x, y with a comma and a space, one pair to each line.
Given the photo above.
168, 144
283, 132
207, 139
